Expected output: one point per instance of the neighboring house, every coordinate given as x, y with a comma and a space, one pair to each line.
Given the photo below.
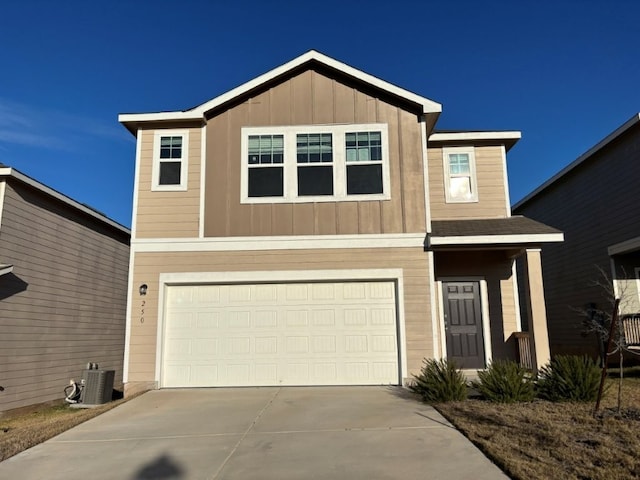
310, 227
62, 291
592, 201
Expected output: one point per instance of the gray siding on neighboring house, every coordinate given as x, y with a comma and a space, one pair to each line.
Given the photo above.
595, 205
65, 302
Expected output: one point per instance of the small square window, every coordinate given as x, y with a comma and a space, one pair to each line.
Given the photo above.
266, 182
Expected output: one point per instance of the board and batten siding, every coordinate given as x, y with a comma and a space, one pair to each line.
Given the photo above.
172, 214
594, 205
492, 202
311, 98
64, 304
148, 267
496, 269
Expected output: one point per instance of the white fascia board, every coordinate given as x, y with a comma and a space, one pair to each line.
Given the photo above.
593, 150
496, 239
470, 136
11, 172
4, 269
158, 116
263, 243
627, 246
429, 106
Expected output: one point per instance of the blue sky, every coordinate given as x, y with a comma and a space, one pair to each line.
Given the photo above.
564, 73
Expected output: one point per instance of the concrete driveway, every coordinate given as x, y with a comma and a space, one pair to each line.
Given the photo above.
260, 433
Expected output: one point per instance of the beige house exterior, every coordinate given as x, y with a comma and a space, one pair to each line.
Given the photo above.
311, 227
590, 201
63, 291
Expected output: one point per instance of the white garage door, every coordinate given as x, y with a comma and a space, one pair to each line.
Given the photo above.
280, 334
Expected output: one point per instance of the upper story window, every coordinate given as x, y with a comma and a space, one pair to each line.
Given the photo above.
315, 163
460, 175
170, 160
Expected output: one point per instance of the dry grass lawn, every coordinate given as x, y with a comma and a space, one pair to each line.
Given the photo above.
19, 432
543, 440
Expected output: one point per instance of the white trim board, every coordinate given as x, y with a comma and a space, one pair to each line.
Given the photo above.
231, 244
627, 246
496, 239
197, 113
227, 278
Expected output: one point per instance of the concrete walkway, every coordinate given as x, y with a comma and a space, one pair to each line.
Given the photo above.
260, 433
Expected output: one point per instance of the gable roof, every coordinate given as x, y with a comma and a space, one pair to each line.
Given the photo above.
582, 158
427, 106
9, 172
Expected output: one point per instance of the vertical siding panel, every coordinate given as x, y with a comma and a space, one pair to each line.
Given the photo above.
303, 221
391, 210
216, 184
281, 104
412, 173
362, 107
302, 111
240, 220
347, 217
344, 105
369, 217
322, 99
325, 218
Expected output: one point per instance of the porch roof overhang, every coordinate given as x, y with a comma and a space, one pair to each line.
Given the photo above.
628, 246
491, 232
5, 268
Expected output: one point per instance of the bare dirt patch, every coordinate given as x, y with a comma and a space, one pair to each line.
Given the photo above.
542, 440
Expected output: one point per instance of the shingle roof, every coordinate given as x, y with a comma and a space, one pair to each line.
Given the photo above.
512, 230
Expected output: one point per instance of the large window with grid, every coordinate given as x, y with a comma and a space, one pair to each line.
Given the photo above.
170, 160
315, 163
460, 175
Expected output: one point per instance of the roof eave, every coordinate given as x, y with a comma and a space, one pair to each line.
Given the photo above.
507, 138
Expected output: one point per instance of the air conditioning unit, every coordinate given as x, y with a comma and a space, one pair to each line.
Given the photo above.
98, 386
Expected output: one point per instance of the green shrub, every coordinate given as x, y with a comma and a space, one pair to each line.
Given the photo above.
569, 378
505, 382
440, 381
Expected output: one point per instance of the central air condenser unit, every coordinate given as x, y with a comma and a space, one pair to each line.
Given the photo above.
98, 386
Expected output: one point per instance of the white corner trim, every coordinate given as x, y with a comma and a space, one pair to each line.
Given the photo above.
3, 191
435, 330
496, 239
425, 172
614, 277
127, 334
505, 179
230, 244
226, 278
136, 183
203, 179
624, 247
197, 113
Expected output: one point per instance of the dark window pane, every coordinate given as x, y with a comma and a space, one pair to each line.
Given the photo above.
376, 153
254, 159
327, 157
302, 158
277, 158
265, 182
315, 180
165, 152
314, 157
265, 158
363, 179
170, 173
176, 152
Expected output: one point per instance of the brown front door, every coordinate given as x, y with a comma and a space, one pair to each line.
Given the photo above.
463, 324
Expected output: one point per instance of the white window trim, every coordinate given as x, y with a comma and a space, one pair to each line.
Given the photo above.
447, 177
290, 164
184, 167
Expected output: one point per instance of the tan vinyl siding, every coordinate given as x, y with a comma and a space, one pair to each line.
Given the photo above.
168, 214
148, 266
64, 304
595, 208
491, 203
305, 99
496, 268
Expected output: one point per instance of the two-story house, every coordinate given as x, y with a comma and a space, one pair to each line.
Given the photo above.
310, 227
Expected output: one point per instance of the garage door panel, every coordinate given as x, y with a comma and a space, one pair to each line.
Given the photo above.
280, 334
